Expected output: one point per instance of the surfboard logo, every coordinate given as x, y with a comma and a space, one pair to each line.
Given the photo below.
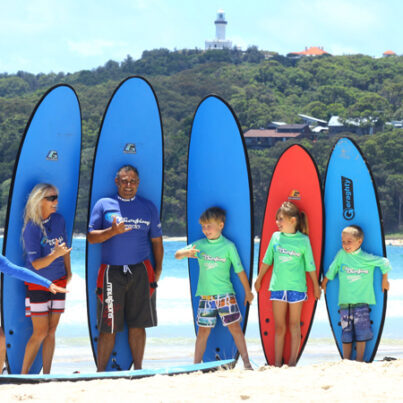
294, 195
111, 215
130, 148
348, 198
52, 155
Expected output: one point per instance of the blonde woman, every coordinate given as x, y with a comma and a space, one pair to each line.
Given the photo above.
44, 239
23, 274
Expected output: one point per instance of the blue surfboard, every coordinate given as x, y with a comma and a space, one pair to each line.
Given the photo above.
218, 175
134, 374
49, 152
350, 197
131, 133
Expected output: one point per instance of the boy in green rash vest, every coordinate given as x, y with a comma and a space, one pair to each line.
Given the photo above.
356, 290
215, 255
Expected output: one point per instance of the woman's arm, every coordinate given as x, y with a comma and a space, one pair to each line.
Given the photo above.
67, 265
59, 250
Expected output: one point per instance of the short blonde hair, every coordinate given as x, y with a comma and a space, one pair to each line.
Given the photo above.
355, 231
32, 211
213, 213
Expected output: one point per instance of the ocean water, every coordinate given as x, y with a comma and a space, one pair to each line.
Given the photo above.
172, 341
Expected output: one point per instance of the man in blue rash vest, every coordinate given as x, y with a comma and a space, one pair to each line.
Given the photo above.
23, 274
129, 228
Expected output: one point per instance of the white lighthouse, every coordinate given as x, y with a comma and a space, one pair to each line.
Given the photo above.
219, 42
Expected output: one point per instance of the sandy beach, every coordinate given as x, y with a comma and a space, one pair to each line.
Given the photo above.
330, 381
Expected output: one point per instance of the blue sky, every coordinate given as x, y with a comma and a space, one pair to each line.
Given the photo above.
71, 35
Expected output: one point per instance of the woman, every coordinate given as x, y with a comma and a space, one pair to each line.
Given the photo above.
44, 239
21, 273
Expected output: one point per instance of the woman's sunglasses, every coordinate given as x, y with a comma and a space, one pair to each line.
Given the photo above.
51, 198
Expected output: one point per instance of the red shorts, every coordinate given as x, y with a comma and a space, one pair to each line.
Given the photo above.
40, 301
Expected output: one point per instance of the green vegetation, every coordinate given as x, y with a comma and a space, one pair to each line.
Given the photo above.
259, 91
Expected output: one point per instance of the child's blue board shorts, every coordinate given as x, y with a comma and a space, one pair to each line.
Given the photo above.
355, 323
224, 305
288, 296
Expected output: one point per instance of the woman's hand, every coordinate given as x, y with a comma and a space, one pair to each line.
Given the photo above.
61, 249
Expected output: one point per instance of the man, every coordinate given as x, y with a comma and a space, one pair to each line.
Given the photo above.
125, 224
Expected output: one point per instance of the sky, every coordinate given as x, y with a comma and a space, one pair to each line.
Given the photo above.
43, 36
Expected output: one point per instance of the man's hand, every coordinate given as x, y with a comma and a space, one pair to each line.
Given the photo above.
119, 228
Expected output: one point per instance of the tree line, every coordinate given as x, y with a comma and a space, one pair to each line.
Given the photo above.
260, 89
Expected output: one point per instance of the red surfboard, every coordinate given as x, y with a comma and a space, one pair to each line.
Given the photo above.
296, 179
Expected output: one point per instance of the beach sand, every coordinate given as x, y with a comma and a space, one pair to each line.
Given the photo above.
331, 382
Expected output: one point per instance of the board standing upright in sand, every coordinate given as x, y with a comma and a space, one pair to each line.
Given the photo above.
129, 228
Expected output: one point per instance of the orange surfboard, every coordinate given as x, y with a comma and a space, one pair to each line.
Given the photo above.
295, 179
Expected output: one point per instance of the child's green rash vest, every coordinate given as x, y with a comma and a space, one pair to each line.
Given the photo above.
215, 258
356, 275
291, 256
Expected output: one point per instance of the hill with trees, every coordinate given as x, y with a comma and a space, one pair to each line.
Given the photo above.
259, 89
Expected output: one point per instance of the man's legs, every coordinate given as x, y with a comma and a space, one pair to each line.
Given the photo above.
106, 342
137, 343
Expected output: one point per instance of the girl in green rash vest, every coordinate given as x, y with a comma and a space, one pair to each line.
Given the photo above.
355, 269
290, 253
215, 255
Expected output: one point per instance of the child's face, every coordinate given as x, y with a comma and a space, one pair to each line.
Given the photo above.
285, 224
350, 243
212, 229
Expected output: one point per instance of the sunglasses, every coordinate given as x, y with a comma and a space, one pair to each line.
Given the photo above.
51, 198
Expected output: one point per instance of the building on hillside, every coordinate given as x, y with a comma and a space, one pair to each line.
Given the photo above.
276, 131
397, 124
356, 126
312, 121
388, 53
312, 51
219, 42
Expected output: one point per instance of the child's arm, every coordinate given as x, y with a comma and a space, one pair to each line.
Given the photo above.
324, 283
385, 282
263, 270
189, 253
248, 293
53, 288
316, 288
